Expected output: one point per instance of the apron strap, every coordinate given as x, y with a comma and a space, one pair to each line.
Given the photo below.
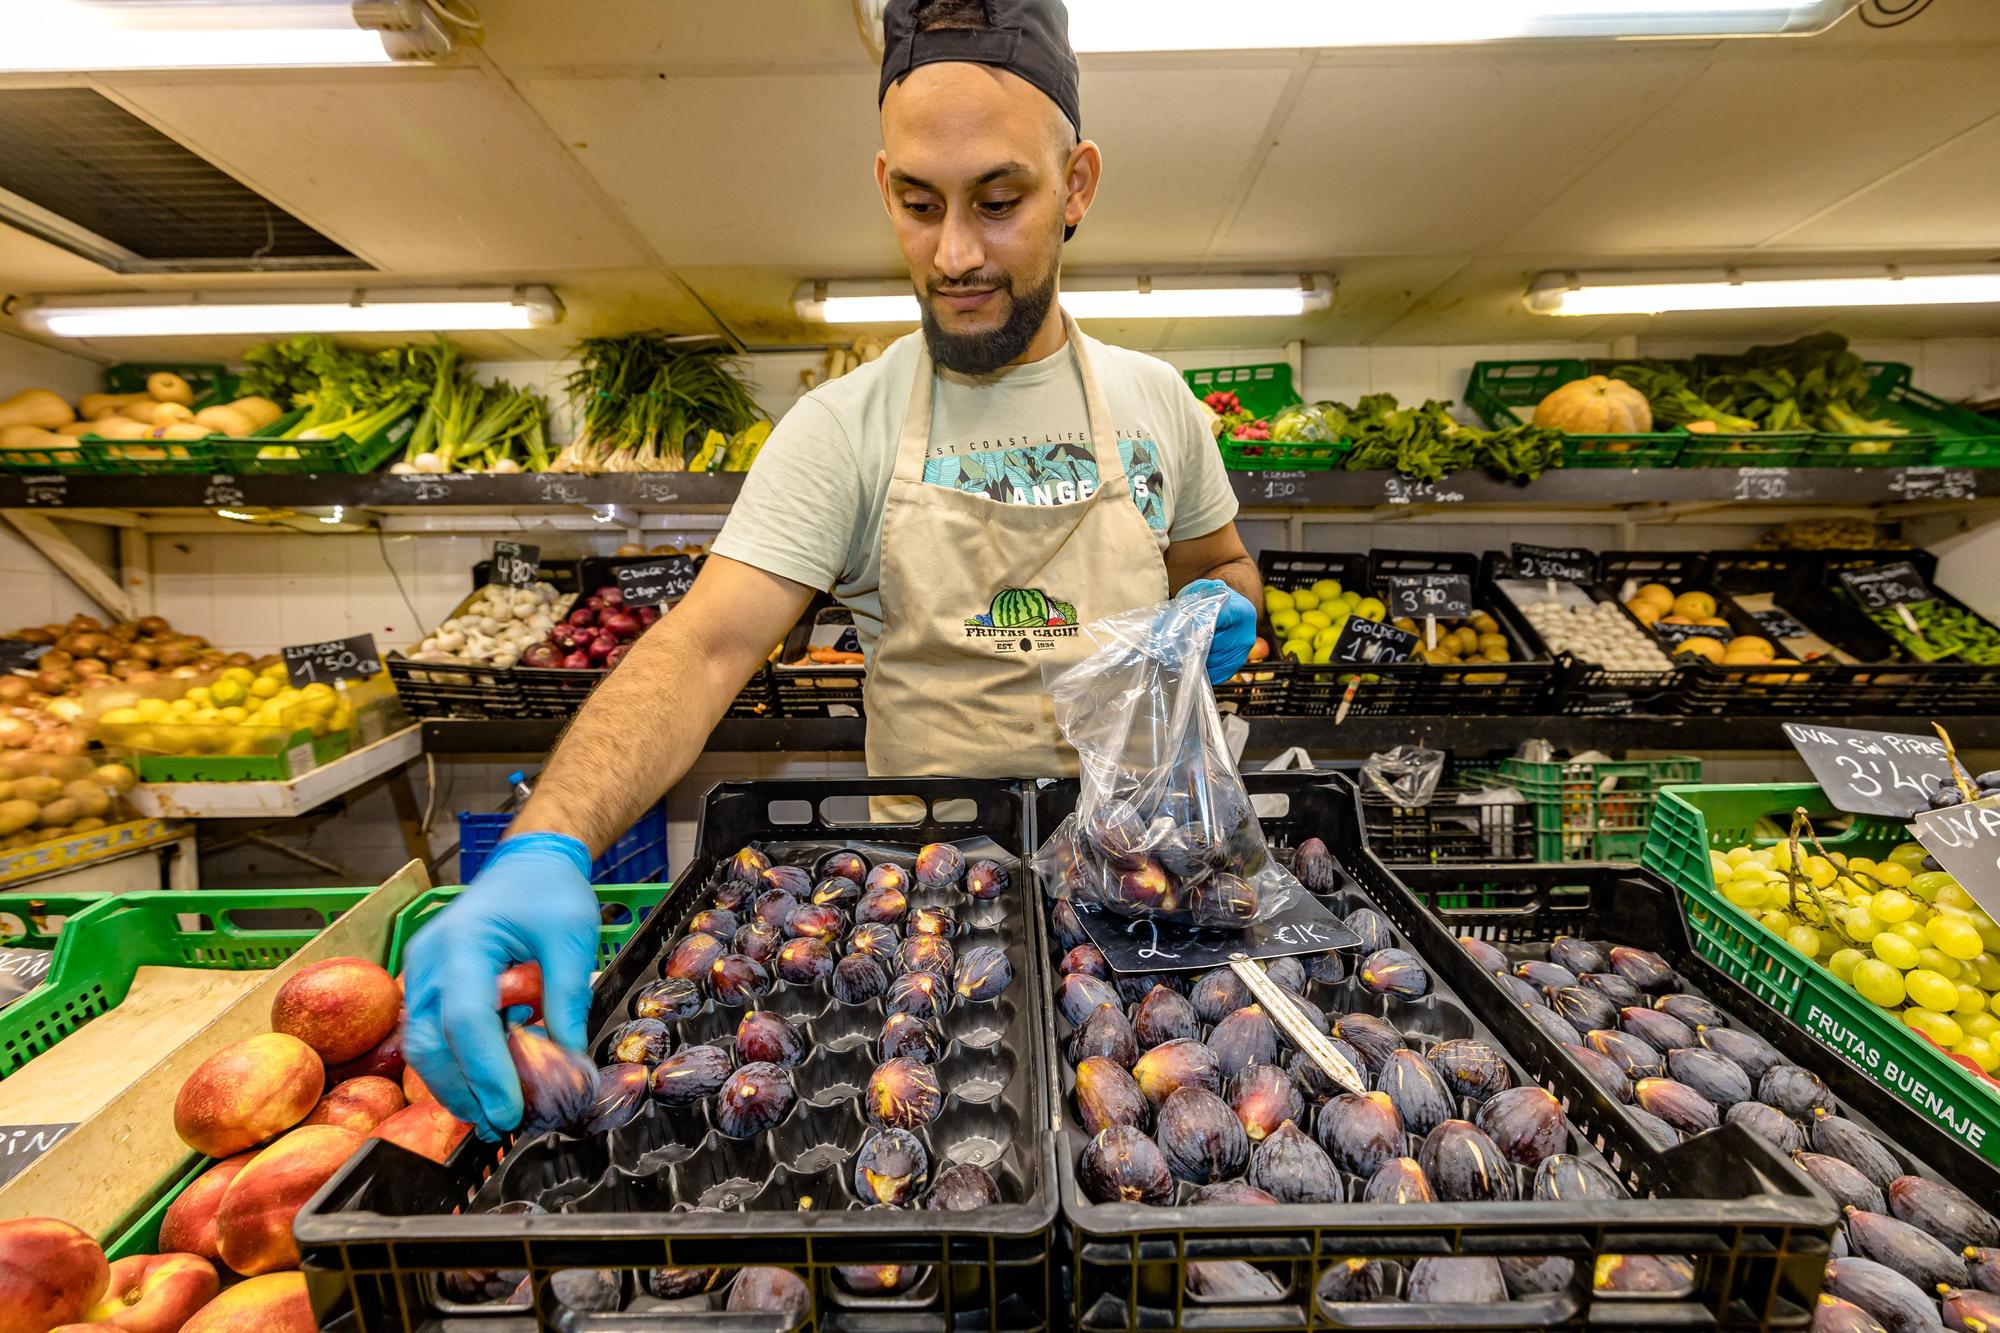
913, 443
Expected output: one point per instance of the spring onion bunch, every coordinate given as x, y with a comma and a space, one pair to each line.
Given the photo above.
647, 403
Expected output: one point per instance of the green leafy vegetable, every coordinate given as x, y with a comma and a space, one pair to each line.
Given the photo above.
646, 402
1429, 444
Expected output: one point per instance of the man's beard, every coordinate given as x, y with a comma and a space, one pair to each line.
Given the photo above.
984, 353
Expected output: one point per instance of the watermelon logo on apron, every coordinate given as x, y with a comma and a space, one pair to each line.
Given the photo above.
1022, 620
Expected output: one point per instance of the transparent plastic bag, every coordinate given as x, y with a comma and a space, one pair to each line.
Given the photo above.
1406, 775
1163, 828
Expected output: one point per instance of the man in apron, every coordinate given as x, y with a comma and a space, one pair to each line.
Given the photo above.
974, 496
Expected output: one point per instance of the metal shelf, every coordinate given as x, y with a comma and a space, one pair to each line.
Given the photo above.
1358, 735
682, 492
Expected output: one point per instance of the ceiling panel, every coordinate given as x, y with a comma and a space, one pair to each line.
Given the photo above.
1748, 149
414, 170
1950, 199
1433, 156
726, 170
29, 264
681, 35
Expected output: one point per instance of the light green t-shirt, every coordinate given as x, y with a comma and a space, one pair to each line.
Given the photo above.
811, 508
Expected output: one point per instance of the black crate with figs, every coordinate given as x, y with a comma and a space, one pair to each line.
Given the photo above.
1687, 1052
816, 1084
1214, 1175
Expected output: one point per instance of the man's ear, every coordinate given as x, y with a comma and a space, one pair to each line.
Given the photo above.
882, 179
1080, 177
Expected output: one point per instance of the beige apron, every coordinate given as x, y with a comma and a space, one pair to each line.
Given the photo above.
977, 595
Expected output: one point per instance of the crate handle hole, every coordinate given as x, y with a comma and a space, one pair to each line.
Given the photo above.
958, 810
789, 812
290, 919
1271, 804
855, 809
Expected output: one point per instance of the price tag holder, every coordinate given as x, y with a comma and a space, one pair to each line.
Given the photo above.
1885, 586
20, 655
352, 658
45, 490
1445, 596
1871, 772
1966, 841
1372, 643
21, 1145
1673, 636
1555, 562
1776, 624
1301, 924
514, 565
1934, 483
665, 578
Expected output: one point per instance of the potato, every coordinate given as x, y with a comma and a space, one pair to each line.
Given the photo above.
116, 776
38, 789
88, 795
59, 812
16, 815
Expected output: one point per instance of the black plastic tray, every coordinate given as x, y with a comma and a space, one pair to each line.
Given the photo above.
384, 1224
1758, 1233
1585, 688
1445, 830
1520, 909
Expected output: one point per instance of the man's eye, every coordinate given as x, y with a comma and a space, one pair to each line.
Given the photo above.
995, 208
919, 207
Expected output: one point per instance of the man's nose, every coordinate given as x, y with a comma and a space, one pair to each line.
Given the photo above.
960, 250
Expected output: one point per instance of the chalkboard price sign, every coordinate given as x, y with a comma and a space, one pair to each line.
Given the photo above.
1372, 643
1871, 772
1445, 596
352, 658
651, 582
1673, 636
1776, 624
1966, 841
1299, 924
515, 565
1884, 586
20, 655
1555, 562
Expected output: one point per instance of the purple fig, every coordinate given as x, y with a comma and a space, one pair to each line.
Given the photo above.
1525, 1123
1243, 1039
882, 906
1464, 1165
804, 961
1663, 1032
1545, 976
982, 974
1371, 927
1692, 1010
1122, 1165
1769, 1124
875, 940
1222, 901
774, 907
964, 1187
735, 980
1939, 1210
939, 865
1636, 1059
752, 1099
1839, 1137
1677, 1104
621, 1095
1115, 830
1419, 1095
669, 1001
1107, 1034
1475, 1281
1264, 1097
558, 1085
1489, 958
1360, 1131
857, 979
714, 921
887, 876
758, 940
1563, 1177
1165, 1069
1922, 1258
1164, 1016
986, 880
1799, 1093
1751, 1052
1217, 994
923, 994
689, 1075
692, 957
908, 1036
748, 865
789, 880
1722, 1081
1077, 995
1394, 972
1897, 1303
767, 1038
1849, 1188
770, 1291
1313, 865
1400, 1180
1613, 988
643, 1041
890, 1168
903, 1094
926, 953
1470, 1068
1642, 967
1291, 1168
1578, 955
1201, 1138
842, 865
1106, 1095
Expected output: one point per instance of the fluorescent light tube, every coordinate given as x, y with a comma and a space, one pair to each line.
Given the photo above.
56, 36
1658, 293
385, 311
1201, 25
1213, 297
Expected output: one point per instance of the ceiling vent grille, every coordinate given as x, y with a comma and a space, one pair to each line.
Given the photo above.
89, 176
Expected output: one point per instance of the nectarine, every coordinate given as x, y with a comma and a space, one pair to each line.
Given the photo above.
385, 1059
155, 1293
189, 1223
414, 1090
50, 1273
425, 1128
247, 1093
274, 1303
254, 1223
359, 1104
341, 1007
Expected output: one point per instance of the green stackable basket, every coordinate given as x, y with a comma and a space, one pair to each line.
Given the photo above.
103, 944
1263, 389
266, 455
1692, 821
1763, 448
1592, 810
635, 900
285, 766
213, 383
1832, 450
1505, 393
1963, 438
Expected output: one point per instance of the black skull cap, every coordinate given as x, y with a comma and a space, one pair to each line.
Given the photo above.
1028, 38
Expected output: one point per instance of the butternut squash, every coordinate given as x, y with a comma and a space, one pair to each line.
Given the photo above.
119, 428
180, 430
1596, 406
228, 420
76, 428
167, 387
32, 437
166, 414
261, 412
36, 407
98, 405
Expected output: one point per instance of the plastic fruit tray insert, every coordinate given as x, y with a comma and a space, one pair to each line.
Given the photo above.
1751, 1234
1520, 911
625, 1201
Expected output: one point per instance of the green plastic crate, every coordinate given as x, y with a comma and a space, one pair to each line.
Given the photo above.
636, 900
1594, 810
100, 948
1263, 389
1692, 821
213, 383
279, 767
1964, 437
1282, 456
343, 453
149, 458
1505, 393
1832, 450
1764, 448
143, 1234
25, 917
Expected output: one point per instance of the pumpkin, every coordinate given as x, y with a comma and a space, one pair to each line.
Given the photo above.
1596, 406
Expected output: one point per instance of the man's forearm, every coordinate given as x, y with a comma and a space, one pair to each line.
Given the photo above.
637, 735
1240, 574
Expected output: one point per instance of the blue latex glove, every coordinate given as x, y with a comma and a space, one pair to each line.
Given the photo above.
530, 902
1235, 629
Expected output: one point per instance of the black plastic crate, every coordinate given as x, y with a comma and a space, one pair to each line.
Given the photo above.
1444, 829
449, 689
1584, 688
1755, 1231
1415, 688
1520, 911
390, 1222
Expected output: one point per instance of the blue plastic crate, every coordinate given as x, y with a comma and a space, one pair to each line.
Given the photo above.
638, 857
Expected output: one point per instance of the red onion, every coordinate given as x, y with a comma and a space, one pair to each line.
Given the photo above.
582, 616
647, 615
601, 646
616, 655
612, 596
623, 624
577, 662
541, 655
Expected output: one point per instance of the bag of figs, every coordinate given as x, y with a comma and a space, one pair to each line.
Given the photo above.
1162, 828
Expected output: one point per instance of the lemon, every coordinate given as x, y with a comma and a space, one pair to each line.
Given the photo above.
1325, 588
318, 690
226, 692
241, 675
276, 671
198, 696
1305, 599
264, 687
